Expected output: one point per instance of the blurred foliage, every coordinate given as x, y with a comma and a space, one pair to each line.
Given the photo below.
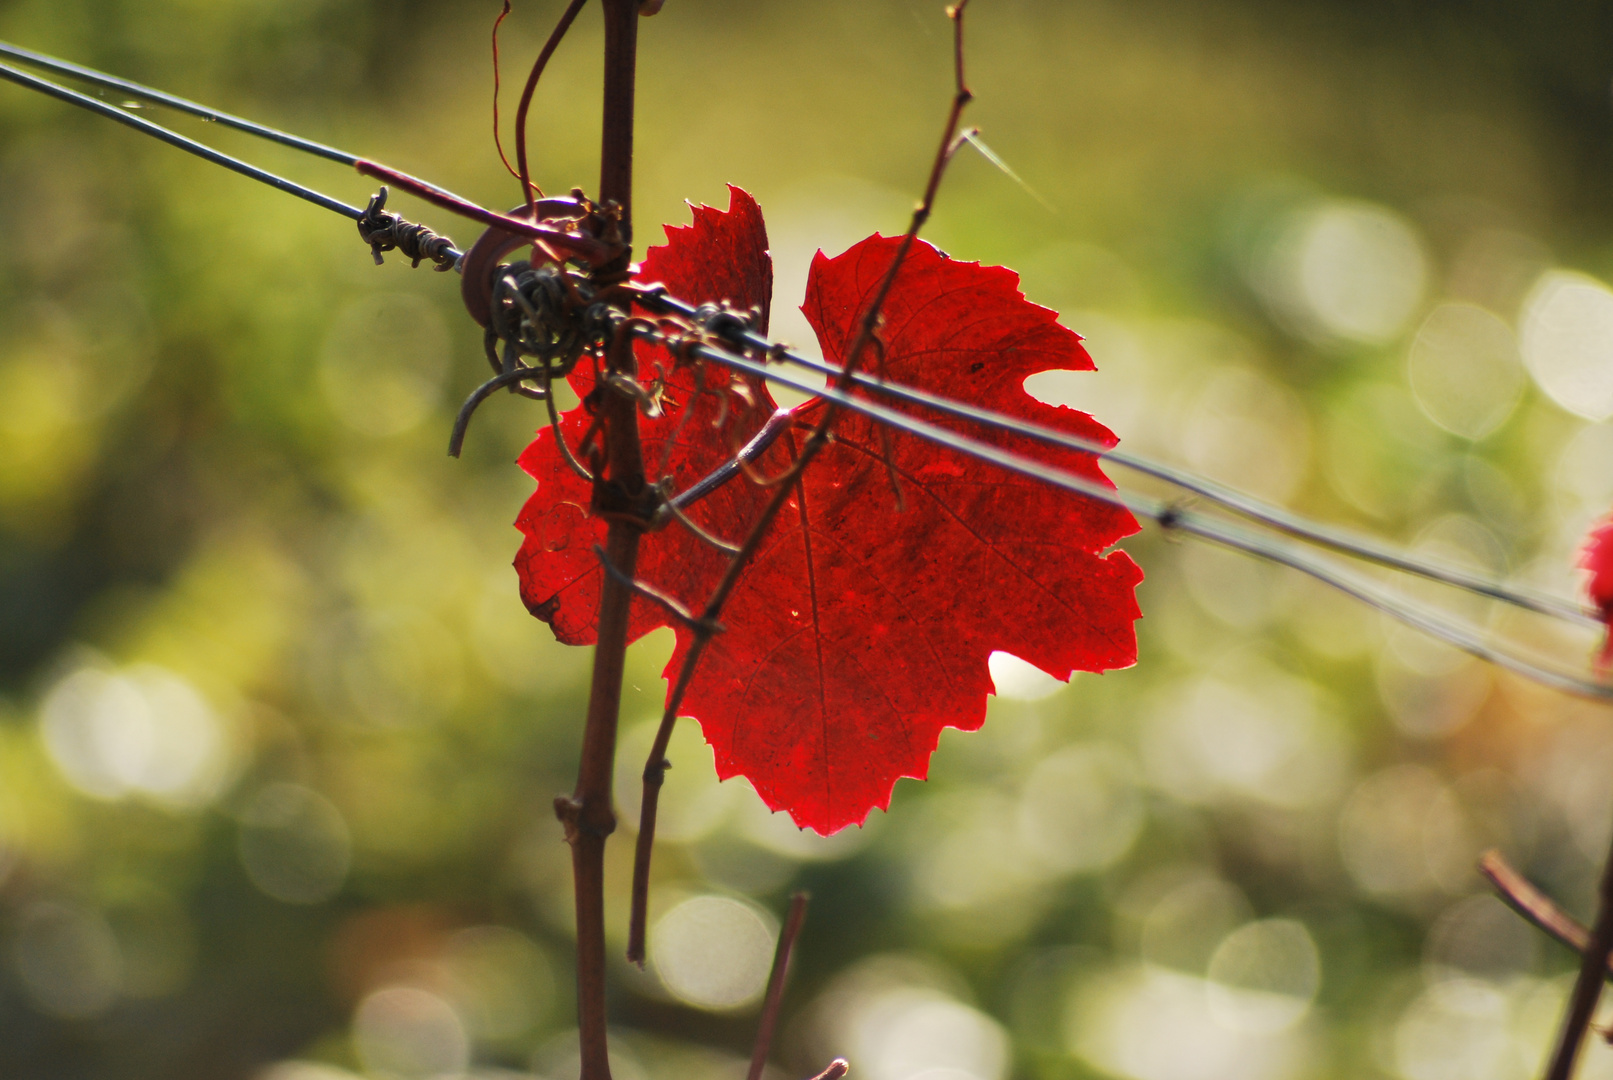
278, 741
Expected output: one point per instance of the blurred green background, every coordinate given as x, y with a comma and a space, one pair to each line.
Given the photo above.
278, 740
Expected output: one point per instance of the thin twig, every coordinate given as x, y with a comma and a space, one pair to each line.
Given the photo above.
652, 779
498, 141
960, 98
559, 435
768, 1023
776, 425
1535, 906
529, 190
699, 533
670, 507
664, 466
1588, 985
655, 767
456, 438
650, 592
887, 444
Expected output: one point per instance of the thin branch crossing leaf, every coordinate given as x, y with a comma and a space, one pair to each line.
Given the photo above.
865, 623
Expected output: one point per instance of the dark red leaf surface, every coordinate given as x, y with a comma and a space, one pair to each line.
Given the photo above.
1597, 557
862, 629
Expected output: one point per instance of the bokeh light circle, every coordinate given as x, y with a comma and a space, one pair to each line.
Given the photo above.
1264, 975
906, 1034
1081, 808
1146, 1023
1455, 1030
1567, 341
713, 952
408, 1033
1480, 937
1343, 271
503, 982
1465, 370
294, 844
67, 960
140, 731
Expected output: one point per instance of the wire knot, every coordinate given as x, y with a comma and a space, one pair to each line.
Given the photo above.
386, 231
727, 323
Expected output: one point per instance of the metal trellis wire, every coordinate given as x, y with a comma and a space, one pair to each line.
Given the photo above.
726, 339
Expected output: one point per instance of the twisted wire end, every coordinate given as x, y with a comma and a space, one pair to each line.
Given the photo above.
386, 231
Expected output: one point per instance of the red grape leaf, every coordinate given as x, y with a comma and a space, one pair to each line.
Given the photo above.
861, 629
1597, 557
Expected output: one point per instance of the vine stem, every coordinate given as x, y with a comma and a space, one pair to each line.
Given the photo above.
774, 1000
785, 487
529, 190
587, 813
1535, 906
1588, 985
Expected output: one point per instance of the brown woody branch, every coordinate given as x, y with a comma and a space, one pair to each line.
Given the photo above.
1588, 984
1521, 896
1594, 948
775, 986
587, 814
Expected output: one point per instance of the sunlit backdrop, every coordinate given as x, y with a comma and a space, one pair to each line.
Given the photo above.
278, 741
